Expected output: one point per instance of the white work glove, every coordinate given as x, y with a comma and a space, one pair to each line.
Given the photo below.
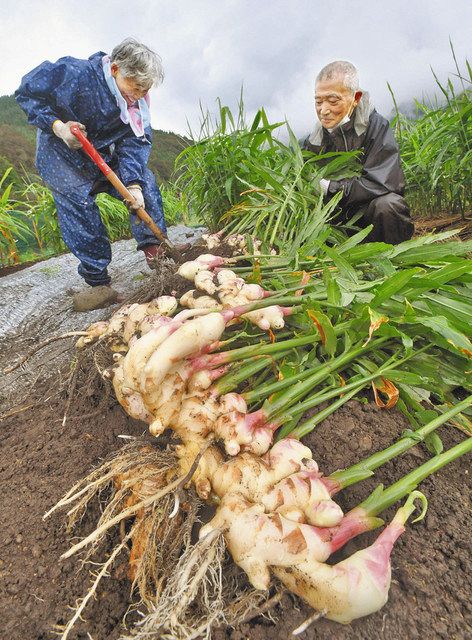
62, 131
137, 193
324, 186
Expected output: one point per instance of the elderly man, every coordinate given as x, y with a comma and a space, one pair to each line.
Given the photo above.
107, 96
348, 122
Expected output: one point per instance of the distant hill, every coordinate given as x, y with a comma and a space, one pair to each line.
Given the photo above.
18, 142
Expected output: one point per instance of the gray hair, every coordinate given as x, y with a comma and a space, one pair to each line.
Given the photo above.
139, 62
343, 70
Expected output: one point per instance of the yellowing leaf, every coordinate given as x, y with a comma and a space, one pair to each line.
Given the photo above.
325, 329
388, 389
318, 326
376, 320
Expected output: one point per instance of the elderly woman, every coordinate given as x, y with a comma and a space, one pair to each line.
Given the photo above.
107, 96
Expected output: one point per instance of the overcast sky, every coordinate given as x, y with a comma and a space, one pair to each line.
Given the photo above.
273, 47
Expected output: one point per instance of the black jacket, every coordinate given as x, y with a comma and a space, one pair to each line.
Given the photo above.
380, 157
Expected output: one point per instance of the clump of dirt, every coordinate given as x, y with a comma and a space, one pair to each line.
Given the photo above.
199, 248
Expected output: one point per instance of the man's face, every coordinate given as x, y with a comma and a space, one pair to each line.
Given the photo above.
129, 88
333, 101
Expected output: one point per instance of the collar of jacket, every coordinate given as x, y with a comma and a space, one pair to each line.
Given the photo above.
96, 61
362, 114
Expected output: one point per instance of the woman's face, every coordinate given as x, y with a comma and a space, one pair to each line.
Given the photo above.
129, 88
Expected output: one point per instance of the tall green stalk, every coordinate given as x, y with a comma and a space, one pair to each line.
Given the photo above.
298, 390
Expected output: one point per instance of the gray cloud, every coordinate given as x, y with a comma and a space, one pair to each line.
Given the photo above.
274, 48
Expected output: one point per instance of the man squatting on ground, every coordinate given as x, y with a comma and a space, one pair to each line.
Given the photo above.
348, 122
107, 97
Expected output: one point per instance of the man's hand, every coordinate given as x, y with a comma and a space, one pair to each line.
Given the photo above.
62, 131
137, 193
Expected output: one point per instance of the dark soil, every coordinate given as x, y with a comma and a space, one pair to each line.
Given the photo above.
13, 268
431, 564
445, 223
40, 460
6, 270
199, 247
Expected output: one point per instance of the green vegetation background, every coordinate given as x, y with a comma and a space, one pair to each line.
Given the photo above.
239, 177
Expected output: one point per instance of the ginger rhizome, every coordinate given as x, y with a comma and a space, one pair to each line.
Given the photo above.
274, 508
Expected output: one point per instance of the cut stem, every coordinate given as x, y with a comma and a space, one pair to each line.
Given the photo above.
358, 383
306, 427
273, 387
262, 349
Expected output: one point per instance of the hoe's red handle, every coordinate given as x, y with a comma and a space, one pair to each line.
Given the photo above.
119, 186
90, 150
